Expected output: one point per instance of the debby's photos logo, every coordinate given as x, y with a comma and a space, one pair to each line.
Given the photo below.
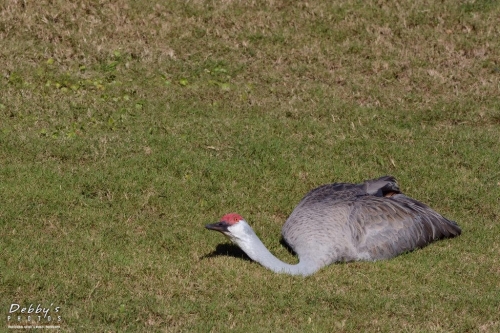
34, 316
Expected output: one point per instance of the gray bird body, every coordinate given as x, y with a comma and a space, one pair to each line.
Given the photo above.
347, 222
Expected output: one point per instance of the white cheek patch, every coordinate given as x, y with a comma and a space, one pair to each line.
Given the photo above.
237, 232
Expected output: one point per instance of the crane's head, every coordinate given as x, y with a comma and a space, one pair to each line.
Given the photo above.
227, 224
234, 227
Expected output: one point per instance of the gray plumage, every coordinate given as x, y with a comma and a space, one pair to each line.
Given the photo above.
346, 222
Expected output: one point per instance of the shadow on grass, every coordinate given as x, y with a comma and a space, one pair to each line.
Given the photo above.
226, 249
232, 250
288, 247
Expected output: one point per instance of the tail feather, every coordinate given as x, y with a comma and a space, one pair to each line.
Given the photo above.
451, 229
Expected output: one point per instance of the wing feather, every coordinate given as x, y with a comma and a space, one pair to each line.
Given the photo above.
390, 226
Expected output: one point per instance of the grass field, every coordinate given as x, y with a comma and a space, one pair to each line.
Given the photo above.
126, 126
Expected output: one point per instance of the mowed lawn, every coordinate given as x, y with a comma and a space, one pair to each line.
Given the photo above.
126, 126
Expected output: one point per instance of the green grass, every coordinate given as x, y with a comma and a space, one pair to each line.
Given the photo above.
128, 125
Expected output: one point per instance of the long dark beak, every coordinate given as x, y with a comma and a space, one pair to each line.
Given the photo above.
219, 226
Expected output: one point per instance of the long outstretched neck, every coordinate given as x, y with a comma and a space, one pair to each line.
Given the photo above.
249, 242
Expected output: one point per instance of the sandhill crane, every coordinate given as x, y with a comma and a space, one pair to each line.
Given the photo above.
345, 222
